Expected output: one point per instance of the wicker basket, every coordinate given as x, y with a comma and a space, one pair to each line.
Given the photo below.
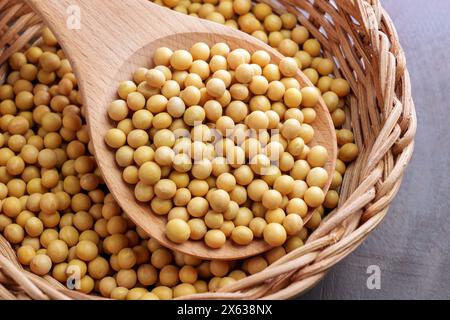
361, 38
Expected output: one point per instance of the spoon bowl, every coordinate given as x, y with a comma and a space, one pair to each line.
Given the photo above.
116, 38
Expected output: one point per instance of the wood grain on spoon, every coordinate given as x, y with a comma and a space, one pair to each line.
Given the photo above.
117, 37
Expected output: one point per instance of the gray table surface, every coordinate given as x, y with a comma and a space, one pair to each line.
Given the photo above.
412, 244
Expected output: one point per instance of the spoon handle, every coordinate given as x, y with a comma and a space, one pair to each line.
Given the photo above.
96, 30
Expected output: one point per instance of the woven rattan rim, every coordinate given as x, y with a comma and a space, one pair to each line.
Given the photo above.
361, 38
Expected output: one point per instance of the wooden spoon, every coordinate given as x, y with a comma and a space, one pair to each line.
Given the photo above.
117, 37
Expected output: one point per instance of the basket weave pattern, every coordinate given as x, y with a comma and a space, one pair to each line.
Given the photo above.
361, 38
